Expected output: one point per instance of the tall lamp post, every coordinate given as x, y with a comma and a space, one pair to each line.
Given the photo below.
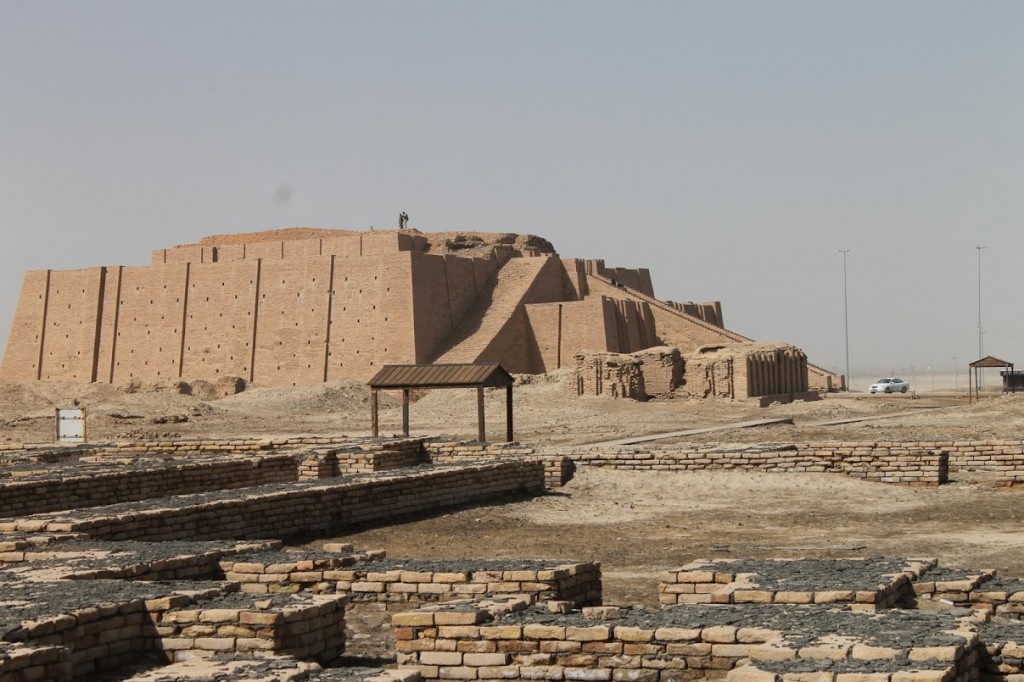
846, 320
981, 333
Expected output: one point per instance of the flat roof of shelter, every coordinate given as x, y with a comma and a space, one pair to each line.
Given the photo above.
458, 375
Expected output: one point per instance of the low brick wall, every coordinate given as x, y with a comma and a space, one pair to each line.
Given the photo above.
23, 497
312, 627
979, 590
300, 508
1002, 457
331, 462
19, 661
104, 637
883, 463
558, 468
207, 622
480, 642
577, 583
728, 582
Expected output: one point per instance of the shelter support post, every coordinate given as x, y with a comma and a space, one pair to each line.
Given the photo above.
405, 412
481, 429
508, 414
374, 424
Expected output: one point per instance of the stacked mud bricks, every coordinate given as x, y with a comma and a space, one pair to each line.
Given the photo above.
205, 623
483, 642
305, 627
746, 370
558, 468
980, 590
841, 620
367, 581
911, 464
705, 582
304, 507
286, 309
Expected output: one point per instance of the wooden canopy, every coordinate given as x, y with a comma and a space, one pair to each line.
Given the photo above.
987, 361
462, 375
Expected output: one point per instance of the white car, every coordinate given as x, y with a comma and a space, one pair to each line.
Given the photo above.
890, 385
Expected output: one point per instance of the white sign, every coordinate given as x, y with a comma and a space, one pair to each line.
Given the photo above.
71, 424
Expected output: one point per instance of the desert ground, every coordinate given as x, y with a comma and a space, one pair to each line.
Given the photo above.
634, 523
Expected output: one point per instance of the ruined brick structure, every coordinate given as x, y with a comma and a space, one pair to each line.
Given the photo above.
303, 305
747, 370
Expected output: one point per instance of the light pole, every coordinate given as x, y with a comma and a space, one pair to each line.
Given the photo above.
981, 333
846, 320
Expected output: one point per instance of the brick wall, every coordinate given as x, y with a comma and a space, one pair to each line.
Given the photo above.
612, 375
471, 643
312, 627
220, 322
384, 583
20, 497
26, 338
707, 583
291, 325
914, 464
303, 508
148, 337
86, 642
558, 469
71, 325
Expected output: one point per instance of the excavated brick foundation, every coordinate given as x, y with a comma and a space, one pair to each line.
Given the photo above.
138, 562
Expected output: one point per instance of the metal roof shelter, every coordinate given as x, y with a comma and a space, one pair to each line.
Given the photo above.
463, 375
987, 361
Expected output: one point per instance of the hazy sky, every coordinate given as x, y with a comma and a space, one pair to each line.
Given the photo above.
731, 147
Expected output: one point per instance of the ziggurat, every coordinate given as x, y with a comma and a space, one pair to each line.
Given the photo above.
306, 305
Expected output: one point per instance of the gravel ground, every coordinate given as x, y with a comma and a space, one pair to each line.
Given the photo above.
800, 625
26, 600
1002, 630
809, 575
417, 565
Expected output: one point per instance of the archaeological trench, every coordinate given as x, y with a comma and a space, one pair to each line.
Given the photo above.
171, 560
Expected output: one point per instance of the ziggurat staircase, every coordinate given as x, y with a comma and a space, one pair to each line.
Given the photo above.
493, 310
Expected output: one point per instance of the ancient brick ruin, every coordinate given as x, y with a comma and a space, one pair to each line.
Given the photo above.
303, 306
164, 561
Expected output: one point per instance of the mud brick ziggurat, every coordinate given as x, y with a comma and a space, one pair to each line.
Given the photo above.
302, 305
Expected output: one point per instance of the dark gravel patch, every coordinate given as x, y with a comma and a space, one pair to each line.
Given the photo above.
1002, 630
25, 600
950, 575
801, 625
127, 552
809, 575
900, 664
417, 565
1010, 585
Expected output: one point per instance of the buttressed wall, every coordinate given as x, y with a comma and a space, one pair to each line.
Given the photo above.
305, 305
746, 370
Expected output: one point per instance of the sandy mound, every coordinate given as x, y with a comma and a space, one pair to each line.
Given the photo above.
345, 396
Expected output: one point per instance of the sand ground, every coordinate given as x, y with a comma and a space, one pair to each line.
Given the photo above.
634, 523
